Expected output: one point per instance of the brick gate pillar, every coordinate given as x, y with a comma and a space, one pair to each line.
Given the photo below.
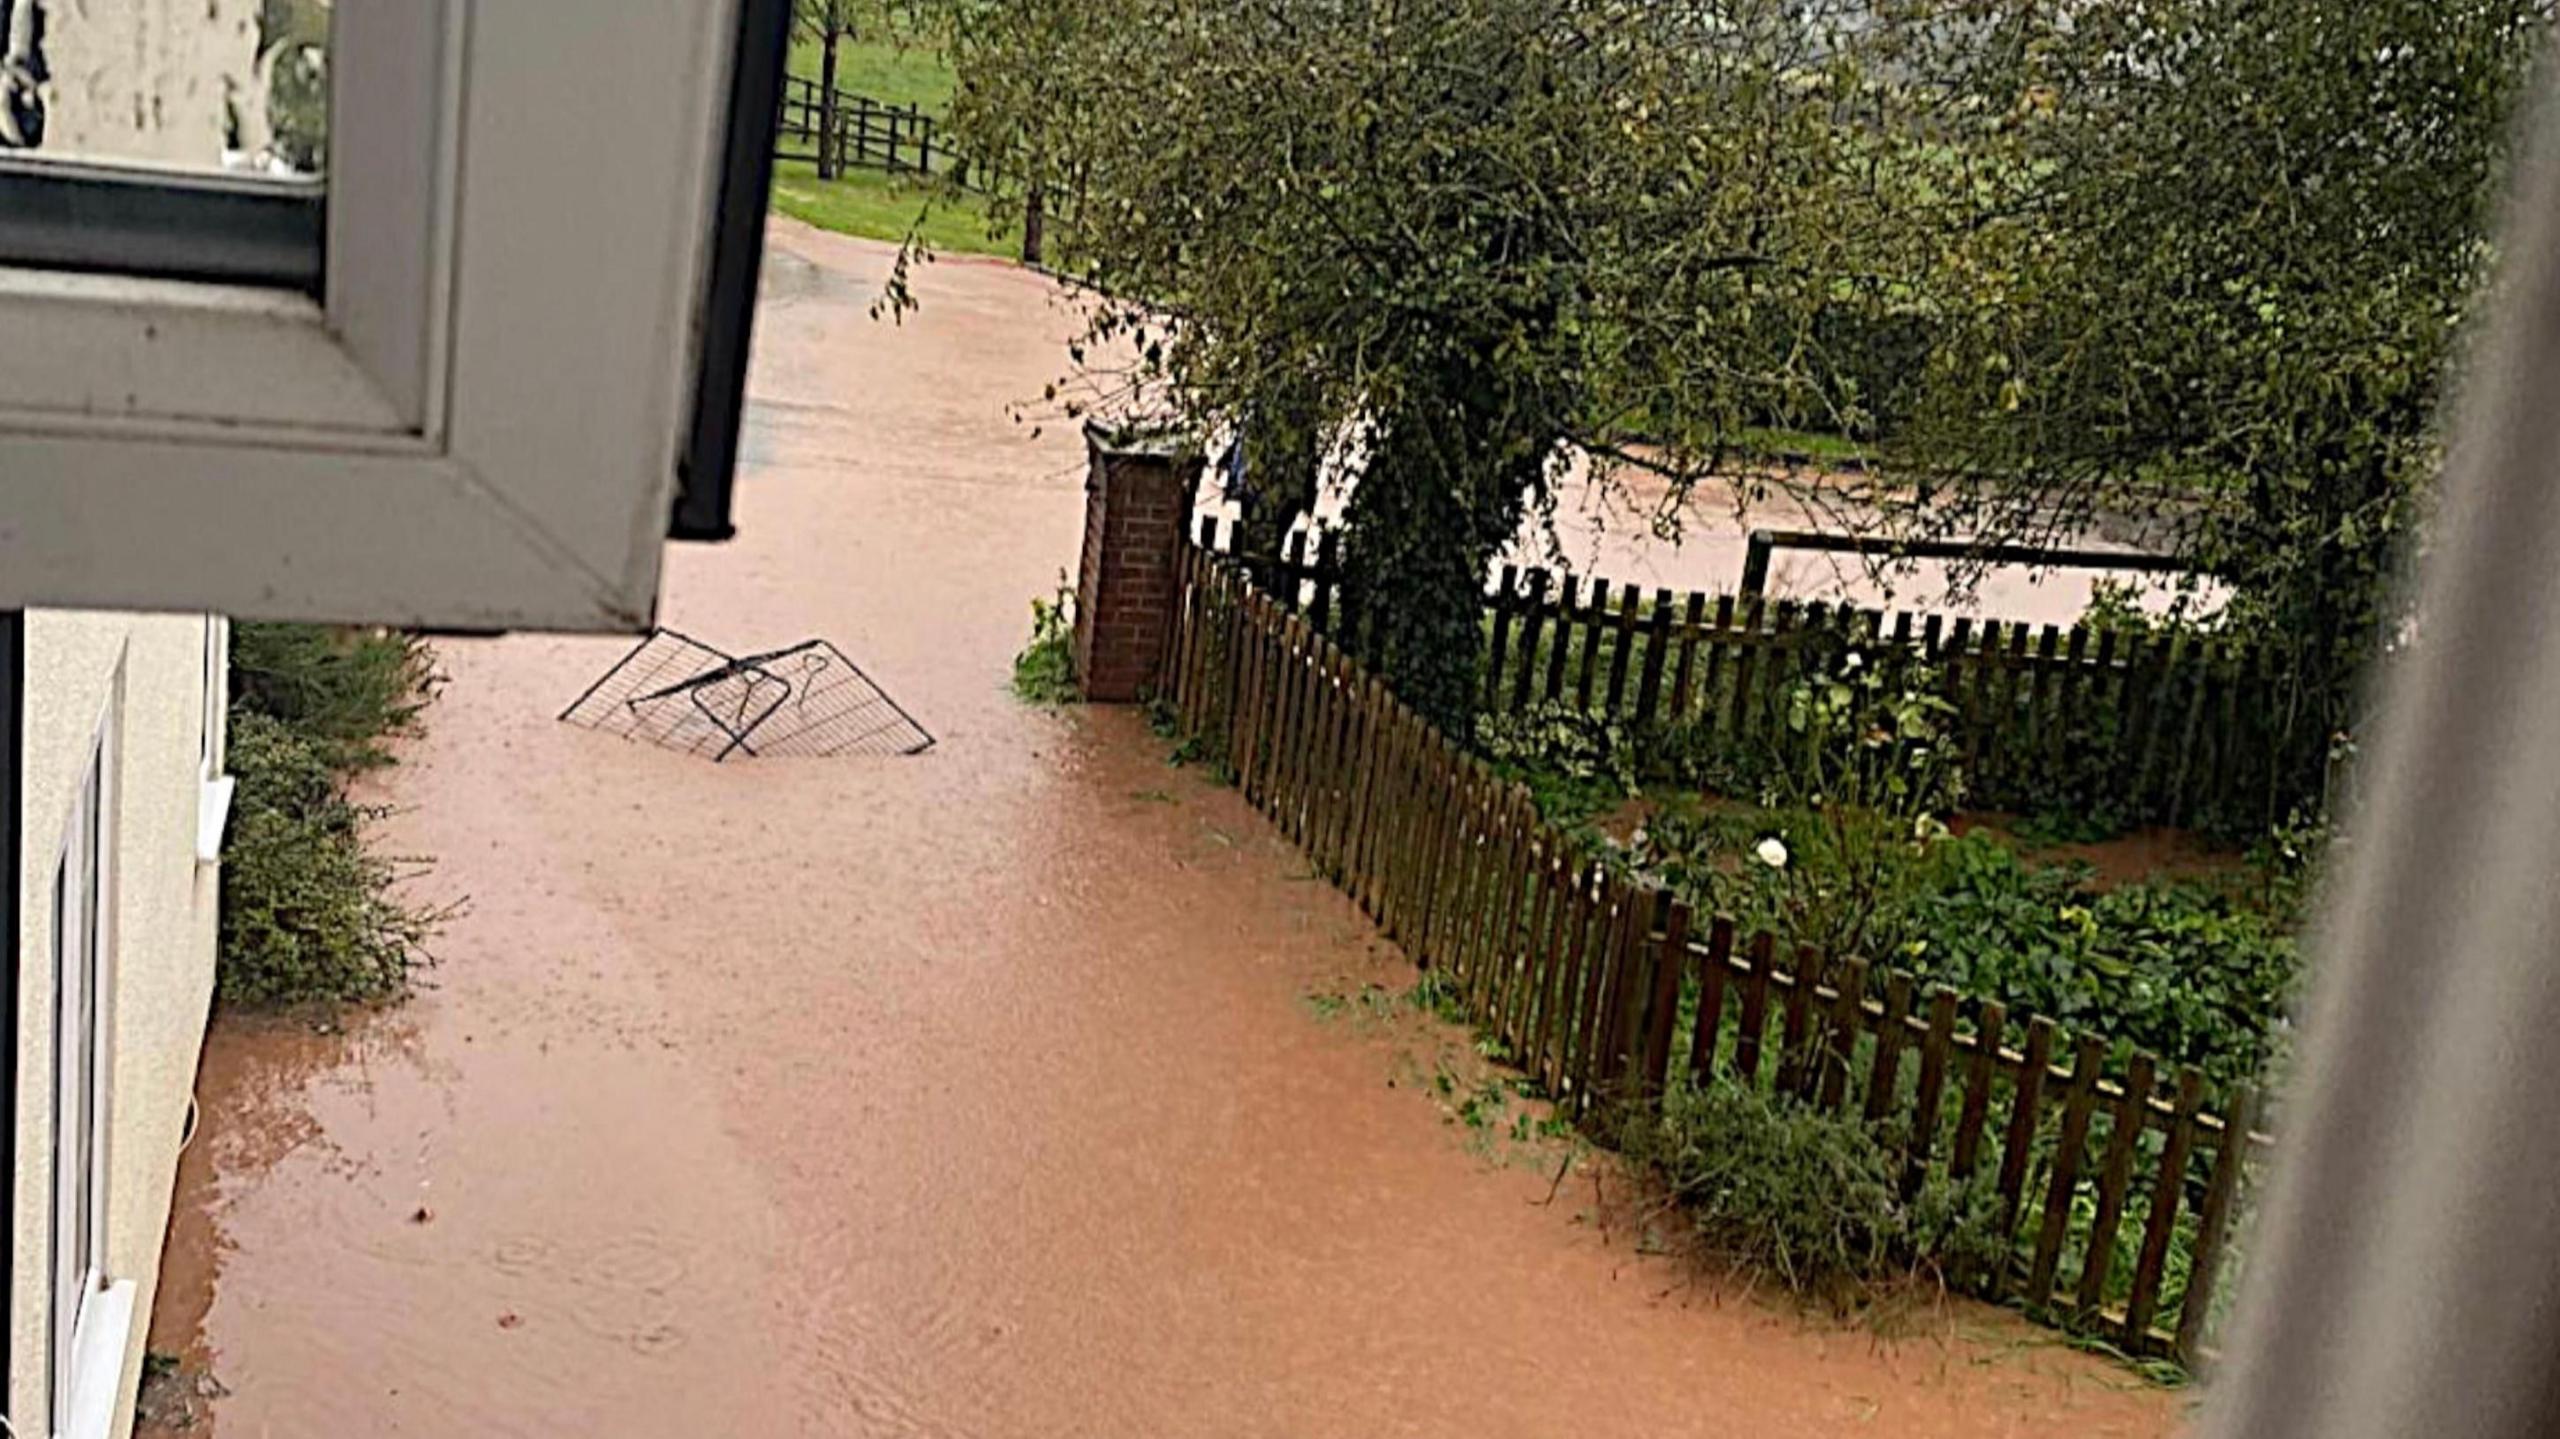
1137, 504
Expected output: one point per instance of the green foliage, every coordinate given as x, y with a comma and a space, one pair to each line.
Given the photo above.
2186, 970
341, 691
1044, 673
1809, 1196
307, 912
2191, 971
1435, 246
285, 116
2215, 262
1852, 786
1577, 765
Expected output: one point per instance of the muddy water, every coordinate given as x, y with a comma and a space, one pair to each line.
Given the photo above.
979, 1093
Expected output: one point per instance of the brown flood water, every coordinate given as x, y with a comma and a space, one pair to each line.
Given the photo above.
973, 1094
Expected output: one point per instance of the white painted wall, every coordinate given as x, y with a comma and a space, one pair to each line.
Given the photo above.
143, 81
146, 676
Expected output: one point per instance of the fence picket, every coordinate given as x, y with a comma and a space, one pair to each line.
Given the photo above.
2167, 1190
1746, 660
2199, 695
1506, 601
1620, 651
1712, 978
1925, 1100
1513, 899
2115, 1176
1492, 867
1657, 646
1686, 669
2043, 678
1523, 693
2065, 702
1990, 1032
2001, 739
1794, 1058
1595, 620
2213, 1225
1512, 1013
2145, 703
1564, 1011
1884, 1073
1755, 1008
1608, 920
2080, 1098
1563, 640
1845, 1013
2025, 1110
1559, 940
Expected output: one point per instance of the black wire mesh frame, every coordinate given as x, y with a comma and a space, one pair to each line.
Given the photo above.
809, 699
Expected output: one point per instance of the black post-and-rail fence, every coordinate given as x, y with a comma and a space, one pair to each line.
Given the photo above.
2159, 727
2117, 1191
900, 139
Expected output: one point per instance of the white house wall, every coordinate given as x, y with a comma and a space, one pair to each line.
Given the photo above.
164, 909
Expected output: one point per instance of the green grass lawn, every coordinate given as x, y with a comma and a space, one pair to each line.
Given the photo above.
880, 206
885, 71
1822, 448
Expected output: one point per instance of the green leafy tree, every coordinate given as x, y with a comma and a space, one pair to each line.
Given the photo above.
2207, 262
1438, 249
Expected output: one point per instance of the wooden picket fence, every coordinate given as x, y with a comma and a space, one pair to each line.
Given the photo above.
2174, 728
2118, 1194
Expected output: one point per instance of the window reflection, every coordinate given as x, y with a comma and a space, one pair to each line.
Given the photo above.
191, 85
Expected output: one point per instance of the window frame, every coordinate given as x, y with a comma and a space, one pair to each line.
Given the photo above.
84, 885
478, 424
213, 787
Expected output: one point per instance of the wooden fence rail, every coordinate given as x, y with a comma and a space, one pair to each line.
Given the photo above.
2117, 1196
2169, 728
900, 139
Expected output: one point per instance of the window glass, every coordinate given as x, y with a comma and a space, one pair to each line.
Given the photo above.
199, 86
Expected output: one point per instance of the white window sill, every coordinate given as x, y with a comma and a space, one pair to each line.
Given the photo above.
97, 1362
213, 812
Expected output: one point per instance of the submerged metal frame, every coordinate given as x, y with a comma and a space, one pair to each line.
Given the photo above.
761, 672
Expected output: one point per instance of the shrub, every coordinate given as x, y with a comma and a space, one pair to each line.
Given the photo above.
1780, 1187
307, 912
342, 691
1044, 673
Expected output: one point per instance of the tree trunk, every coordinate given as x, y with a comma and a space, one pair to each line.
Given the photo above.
1432, 508
1031, 224
830, 154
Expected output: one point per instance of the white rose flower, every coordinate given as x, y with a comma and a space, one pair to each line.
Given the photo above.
1852, 662
1772, 852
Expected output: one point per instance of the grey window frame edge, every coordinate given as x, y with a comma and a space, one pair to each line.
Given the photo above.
706, 468
167, 225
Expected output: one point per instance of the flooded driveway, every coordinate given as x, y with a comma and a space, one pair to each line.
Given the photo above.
978, 1093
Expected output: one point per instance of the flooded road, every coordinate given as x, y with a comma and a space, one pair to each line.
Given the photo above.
980, 1093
